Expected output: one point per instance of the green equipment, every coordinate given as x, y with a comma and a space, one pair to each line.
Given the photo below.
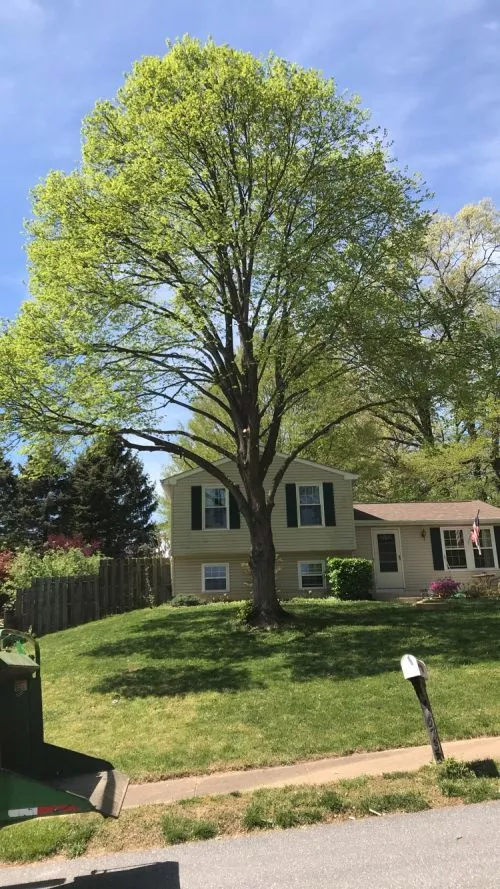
37, 778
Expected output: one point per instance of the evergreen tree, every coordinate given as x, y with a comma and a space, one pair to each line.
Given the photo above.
44, 487
10, 532
113, 499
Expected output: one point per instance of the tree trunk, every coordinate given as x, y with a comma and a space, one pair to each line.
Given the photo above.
267, 611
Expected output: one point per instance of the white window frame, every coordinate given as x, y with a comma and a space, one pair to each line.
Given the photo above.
312, 484
469, 548
224, 565
308, 562
203, 507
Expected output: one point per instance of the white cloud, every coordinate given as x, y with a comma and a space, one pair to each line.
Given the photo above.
22, 12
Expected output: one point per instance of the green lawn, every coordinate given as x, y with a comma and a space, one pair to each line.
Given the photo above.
173, 691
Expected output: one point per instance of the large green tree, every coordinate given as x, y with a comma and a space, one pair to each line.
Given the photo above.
113, 500
233, 219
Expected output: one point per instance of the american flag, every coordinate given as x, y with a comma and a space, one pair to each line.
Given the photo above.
474, 534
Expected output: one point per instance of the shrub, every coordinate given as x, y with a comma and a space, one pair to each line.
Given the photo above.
27, 565
482, 588
444, 588
350, 578
185, 600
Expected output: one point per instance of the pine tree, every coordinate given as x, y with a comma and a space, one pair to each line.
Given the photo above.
10, 530
44, 499
113, 500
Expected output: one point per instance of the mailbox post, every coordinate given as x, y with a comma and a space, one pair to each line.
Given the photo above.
416, 672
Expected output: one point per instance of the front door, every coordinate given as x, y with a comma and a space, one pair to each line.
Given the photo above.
388, 560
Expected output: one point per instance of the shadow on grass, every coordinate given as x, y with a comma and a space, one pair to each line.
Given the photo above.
162, 682
205, 650
484, 768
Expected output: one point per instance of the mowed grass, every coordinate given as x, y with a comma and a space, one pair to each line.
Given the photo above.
173, 691
237, 813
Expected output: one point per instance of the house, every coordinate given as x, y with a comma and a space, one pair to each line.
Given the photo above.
314, 517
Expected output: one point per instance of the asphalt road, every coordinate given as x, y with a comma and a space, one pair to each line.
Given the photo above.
455, 848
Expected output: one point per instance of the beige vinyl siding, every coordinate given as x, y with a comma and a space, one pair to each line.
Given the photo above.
418, 565
341, 537
187, 577
364, 548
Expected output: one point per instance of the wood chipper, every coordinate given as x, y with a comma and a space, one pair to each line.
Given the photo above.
37, 778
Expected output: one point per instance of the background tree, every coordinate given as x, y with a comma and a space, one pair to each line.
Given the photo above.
44, 491
232, 219
441, 439
113, 500
9, 506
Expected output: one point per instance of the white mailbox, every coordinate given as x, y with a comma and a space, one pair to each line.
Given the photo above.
412, 667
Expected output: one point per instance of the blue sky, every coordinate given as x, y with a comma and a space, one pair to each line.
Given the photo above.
427, 69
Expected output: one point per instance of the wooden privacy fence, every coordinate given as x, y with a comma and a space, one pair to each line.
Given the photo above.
54, 603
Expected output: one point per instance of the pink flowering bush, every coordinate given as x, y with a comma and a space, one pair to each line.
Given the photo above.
444, 588
61, 541
6, 559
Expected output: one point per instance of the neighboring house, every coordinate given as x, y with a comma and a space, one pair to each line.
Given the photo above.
314, 517
412, 544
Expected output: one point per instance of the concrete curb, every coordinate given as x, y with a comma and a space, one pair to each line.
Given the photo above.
319, 771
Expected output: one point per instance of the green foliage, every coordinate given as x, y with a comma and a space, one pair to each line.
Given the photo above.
350, 578
453, 768
178, 829
34, 840
179, 601
113, 500
29, 564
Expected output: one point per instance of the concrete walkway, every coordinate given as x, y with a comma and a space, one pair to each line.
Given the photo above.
319, 771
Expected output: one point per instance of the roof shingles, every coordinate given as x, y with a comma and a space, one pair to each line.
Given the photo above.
425, 512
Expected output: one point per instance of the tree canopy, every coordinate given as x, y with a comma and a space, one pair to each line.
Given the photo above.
236, 226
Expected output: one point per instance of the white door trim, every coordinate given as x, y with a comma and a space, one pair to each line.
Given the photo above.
379, 585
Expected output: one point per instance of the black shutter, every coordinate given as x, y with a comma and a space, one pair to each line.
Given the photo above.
329, 504
234, 513
437, 549
496, 531
291, 506
196, 523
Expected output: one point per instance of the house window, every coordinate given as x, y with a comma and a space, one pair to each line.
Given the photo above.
311, 575
454, 546
310, 505
487, 557
215, 508
460, 553
215, 578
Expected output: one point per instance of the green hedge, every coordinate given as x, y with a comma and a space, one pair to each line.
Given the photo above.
350, 578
